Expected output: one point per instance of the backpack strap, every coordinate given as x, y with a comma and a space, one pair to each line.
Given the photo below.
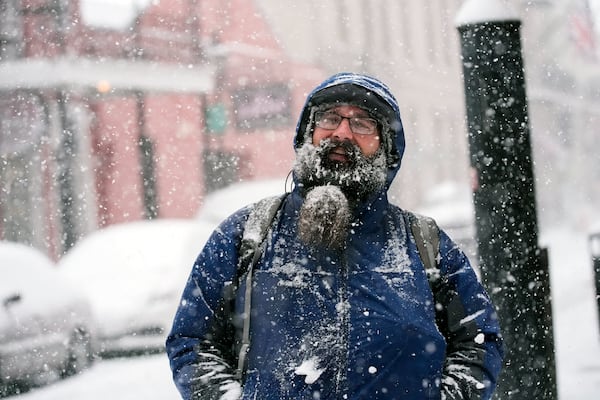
255, 231
427, 237
256, 228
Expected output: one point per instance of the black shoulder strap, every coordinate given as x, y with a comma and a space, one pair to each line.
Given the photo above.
427, 237
255, 232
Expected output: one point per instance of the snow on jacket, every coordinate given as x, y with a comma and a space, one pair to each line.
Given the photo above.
357, 324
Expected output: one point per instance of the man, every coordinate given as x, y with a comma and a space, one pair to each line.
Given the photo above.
341, 307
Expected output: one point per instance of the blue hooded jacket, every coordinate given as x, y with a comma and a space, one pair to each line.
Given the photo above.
362, 323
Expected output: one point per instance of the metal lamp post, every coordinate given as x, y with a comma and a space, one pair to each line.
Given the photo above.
514, 269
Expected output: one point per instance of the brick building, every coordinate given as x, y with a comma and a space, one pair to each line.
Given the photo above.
107, 125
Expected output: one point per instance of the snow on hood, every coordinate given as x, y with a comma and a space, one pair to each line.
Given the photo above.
366, 92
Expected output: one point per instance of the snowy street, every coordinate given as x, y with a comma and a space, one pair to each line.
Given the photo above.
147, 378
576, 336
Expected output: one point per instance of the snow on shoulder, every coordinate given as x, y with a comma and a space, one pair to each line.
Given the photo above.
309, 369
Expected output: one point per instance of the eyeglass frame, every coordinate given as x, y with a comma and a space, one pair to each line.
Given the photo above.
318, 116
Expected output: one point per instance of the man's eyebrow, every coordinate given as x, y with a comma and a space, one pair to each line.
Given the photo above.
355, 113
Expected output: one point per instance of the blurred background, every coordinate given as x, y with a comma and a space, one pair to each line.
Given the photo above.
120, 110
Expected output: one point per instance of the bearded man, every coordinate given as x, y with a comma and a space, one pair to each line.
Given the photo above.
338, 304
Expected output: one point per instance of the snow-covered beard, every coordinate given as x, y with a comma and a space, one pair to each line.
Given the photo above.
324, 219
331, 188
358, 178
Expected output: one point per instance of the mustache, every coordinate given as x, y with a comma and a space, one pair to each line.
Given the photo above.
326, 147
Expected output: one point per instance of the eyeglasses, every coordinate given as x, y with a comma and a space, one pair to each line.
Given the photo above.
358, 125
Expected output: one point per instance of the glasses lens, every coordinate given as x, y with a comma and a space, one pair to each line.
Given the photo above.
358, 125
327, 120
363, 126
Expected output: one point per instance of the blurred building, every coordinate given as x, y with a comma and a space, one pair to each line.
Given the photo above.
562, 49
112, 115
138, 112
413, 45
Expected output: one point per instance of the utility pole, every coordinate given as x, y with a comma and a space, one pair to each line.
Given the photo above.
66, 155
514, 269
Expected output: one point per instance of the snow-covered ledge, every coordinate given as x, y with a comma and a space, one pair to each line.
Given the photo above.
480, 11
116, 74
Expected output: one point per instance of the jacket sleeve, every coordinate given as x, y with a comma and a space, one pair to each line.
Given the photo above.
200, 344
468, 320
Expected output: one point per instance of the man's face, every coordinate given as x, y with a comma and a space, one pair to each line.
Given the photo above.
345, 151
354, 118
343, 165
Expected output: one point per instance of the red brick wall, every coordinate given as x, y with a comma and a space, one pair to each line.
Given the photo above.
181, 32
118, 175
173, 122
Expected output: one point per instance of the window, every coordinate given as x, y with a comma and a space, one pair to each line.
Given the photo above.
262, 107
23, 123
10, 30
220, 169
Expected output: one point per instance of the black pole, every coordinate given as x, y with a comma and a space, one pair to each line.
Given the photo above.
147, 164
66, 163
514, 269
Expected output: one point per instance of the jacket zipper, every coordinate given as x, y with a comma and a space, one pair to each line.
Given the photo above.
343, 315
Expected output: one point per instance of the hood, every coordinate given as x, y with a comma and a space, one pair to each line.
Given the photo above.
365, 92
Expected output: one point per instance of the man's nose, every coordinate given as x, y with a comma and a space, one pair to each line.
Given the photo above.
343, 131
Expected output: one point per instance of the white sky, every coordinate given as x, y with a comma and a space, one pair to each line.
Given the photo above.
115, 14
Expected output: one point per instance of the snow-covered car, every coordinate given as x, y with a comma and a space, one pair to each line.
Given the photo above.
451, 205
134, 274
221, 203
46, 325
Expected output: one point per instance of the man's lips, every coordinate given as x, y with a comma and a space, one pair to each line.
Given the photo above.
339, 154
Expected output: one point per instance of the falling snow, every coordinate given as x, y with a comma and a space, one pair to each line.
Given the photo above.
130, 110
